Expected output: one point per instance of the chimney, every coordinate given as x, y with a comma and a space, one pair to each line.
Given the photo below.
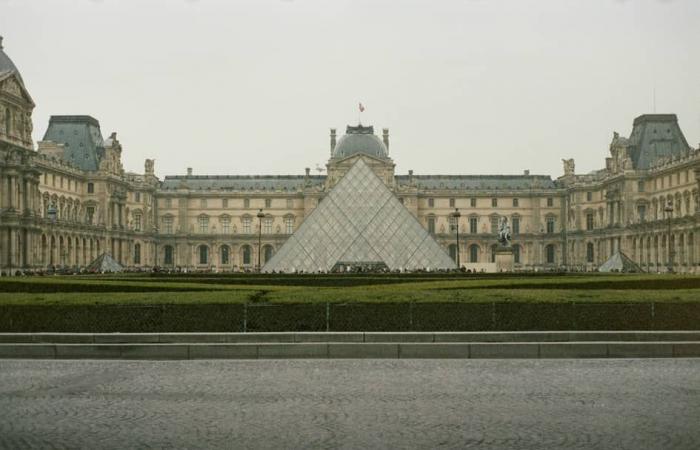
410, 176
385, 137
526, 172
332, 140
189, 171
308, 171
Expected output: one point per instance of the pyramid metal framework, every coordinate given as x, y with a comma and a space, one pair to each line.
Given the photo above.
619, 262
360, 221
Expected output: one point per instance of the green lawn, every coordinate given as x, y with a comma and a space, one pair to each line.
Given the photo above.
434, 288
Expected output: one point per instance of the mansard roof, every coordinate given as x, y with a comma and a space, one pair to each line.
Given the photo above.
81, 137
655, 136
241, 182
491, 182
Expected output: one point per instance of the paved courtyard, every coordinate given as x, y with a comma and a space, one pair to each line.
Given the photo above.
498, 404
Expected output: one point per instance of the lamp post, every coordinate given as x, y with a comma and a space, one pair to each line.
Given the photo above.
456, 214
260, 218
671, 252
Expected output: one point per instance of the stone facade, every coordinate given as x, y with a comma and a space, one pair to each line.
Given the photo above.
70, 200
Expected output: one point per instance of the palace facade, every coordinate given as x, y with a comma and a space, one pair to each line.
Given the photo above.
70, 199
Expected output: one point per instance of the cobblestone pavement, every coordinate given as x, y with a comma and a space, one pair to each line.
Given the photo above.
499, 404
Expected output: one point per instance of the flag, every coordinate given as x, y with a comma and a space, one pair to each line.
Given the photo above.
362, 107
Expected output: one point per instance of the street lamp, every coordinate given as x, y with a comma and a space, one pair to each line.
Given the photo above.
260, 218
456, 214
671, 251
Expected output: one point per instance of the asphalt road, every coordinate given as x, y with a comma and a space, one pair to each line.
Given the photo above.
486, 404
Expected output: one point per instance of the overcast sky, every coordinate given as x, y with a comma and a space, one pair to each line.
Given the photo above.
465, 86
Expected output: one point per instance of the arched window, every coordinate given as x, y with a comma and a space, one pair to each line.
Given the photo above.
168, 255
267, 253
516, 254
493, 253
137, 254
590, 252
247, 255
549, 253
203, 254
224, 254
431, 224
453, 252
473, 253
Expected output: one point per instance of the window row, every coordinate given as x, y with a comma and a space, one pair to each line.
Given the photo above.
494, 202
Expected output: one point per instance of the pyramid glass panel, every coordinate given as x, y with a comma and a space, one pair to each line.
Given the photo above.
360, 222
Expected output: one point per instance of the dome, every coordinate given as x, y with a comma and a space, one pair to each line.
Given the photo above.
360, 139
6, 64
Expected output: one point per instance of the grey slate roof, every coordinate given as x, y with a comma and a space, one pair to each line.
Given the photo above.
241, 182
81, 136
476, 182
655, 136
6, 64
360, 139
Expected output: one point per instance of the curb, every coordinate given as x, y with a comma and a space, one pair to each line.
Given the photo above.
352, 350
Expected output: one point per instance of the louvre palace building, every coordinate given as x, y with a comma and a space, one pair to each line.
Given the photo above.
67, 199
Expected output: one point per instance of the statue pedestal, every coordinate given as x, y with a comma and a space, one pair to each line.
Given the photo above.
504, 259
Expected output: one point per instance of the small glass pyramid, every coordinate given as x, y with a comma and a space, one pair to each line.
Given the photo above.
359, 223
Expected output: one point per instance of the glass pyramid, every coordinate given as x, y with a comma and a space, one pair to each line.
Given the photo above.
360, 223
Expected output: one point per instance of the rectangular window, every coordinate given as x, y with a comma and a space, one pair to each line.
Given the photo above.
590, 221
515, 203
61, 182
472, 202
204, 224
550, 225
662, 182
452, 203
224, 203
137, 197
515, 225
46, 178
494, 225
453, 224
494, 202
431, 225
550, 201
203, 203
246, 225
401, 200
473, 222
290, 203
90, 214
246, 203
288, 225
589, 196
431, 203
91, 188
69, 183
678, 178
137, 222
268, 203
640, 186
53, 180
226, 225
267, 225
168, 225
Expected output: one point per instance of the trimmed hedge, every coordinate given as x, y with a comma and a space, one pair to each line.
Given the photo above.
350, 317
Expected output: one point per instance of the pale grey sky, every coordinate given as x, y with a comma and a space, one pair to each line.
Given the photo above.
465, 86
